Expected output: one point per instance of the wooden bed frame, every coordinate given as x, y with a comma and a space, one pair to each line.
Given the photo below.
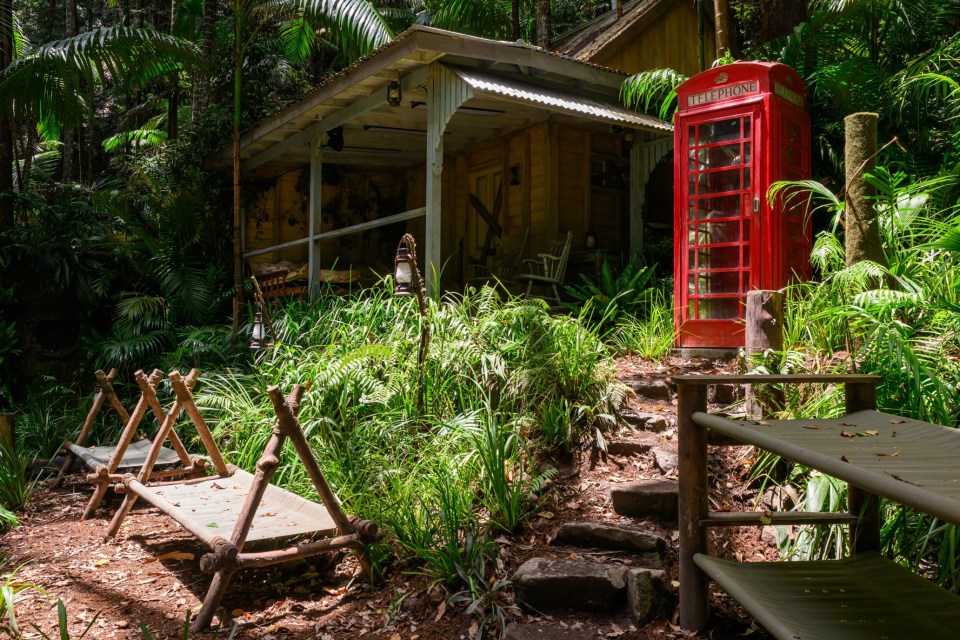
103, 463
235, 507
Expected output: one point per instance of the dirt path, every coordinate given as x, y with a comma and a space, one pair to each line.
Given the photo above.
150, 574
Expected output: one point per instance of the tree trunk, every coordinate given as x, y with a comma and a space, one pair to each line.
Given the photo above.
779, 17
543, 24
862, 230
515, 19
721, 21
237, 96
6, 121
66, 149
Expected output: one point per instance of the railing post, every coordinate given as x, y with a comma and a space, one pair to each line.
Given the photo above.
692, 449
865, 533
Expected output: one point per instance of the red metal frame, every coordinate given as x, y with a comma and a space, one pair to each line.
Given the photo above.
739, 128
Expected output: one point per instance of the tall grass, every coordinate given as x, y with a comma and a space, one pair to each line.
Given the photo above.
900, 321
444, 480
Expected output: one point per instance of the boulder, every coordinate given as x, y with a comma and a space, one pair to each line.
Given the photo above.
547, 584
647, 499
608, 536
649, 595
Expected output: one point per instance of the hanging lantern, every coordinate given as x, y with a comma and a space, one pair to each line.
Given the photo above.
256, 341
403, 270
394, 95
591, 239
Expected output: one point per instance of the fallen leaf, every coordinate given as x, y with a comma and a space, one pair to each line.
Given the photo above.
845, 459
766, 516
545, 514
762, 423
442, 609
213, 525
573, 504
236, 613
101, 562
812, 426
898, 421
848, 434
472, 631
888, 455
848, 424
872, 432
217, 486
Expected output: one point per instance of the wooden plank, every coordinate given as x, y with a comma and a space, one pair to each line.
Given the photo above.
755, 518
803, 378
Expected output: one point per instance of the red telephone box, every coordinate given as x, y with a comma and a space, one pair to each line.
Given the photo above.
738, 129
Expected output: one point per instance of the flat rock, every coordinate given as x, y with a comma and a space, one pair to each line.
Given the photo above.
546, 583
646, 499
547, 631
657, 424
608, 536
628, 448
649, 595
650, 388
665, 459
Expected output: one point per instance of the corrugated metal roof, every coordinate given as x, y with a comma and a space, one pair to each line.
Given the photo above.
554, 99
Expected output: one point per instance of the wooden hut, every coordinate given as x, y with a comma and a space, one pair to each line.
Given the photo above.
539, 140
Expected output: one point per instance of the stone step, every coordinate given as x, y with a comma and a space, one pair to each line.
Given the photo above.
546, 584
650, 388
628, 448
548, 631
647, 499
607, 536
549, 584
645, 421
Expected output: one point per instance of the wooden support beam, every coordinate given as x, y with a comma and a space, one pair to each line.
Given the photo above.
446, 92
637, 195
315, 218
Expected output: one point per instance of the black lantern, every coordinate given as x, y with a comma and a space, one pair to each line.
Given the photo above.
256, 341
335, 139
404, 267
394, 95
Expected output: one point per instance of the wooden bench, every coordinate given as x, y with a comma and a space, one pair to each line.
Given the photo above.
877, 454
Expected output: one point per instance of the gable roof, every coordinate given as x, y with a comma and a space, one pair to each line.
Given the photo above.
607, 33
576, 87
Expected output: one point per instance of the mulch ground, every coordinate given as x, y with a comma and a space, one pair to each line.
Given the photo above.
150, 576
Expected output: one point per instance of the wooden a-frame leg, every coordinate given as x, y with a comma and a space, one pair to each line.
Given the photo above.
218, 587
129, 431
98, 399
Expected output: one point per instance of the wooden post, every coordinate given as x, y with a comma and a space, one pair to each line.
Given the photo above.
764, 330
865, 533
693, 505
